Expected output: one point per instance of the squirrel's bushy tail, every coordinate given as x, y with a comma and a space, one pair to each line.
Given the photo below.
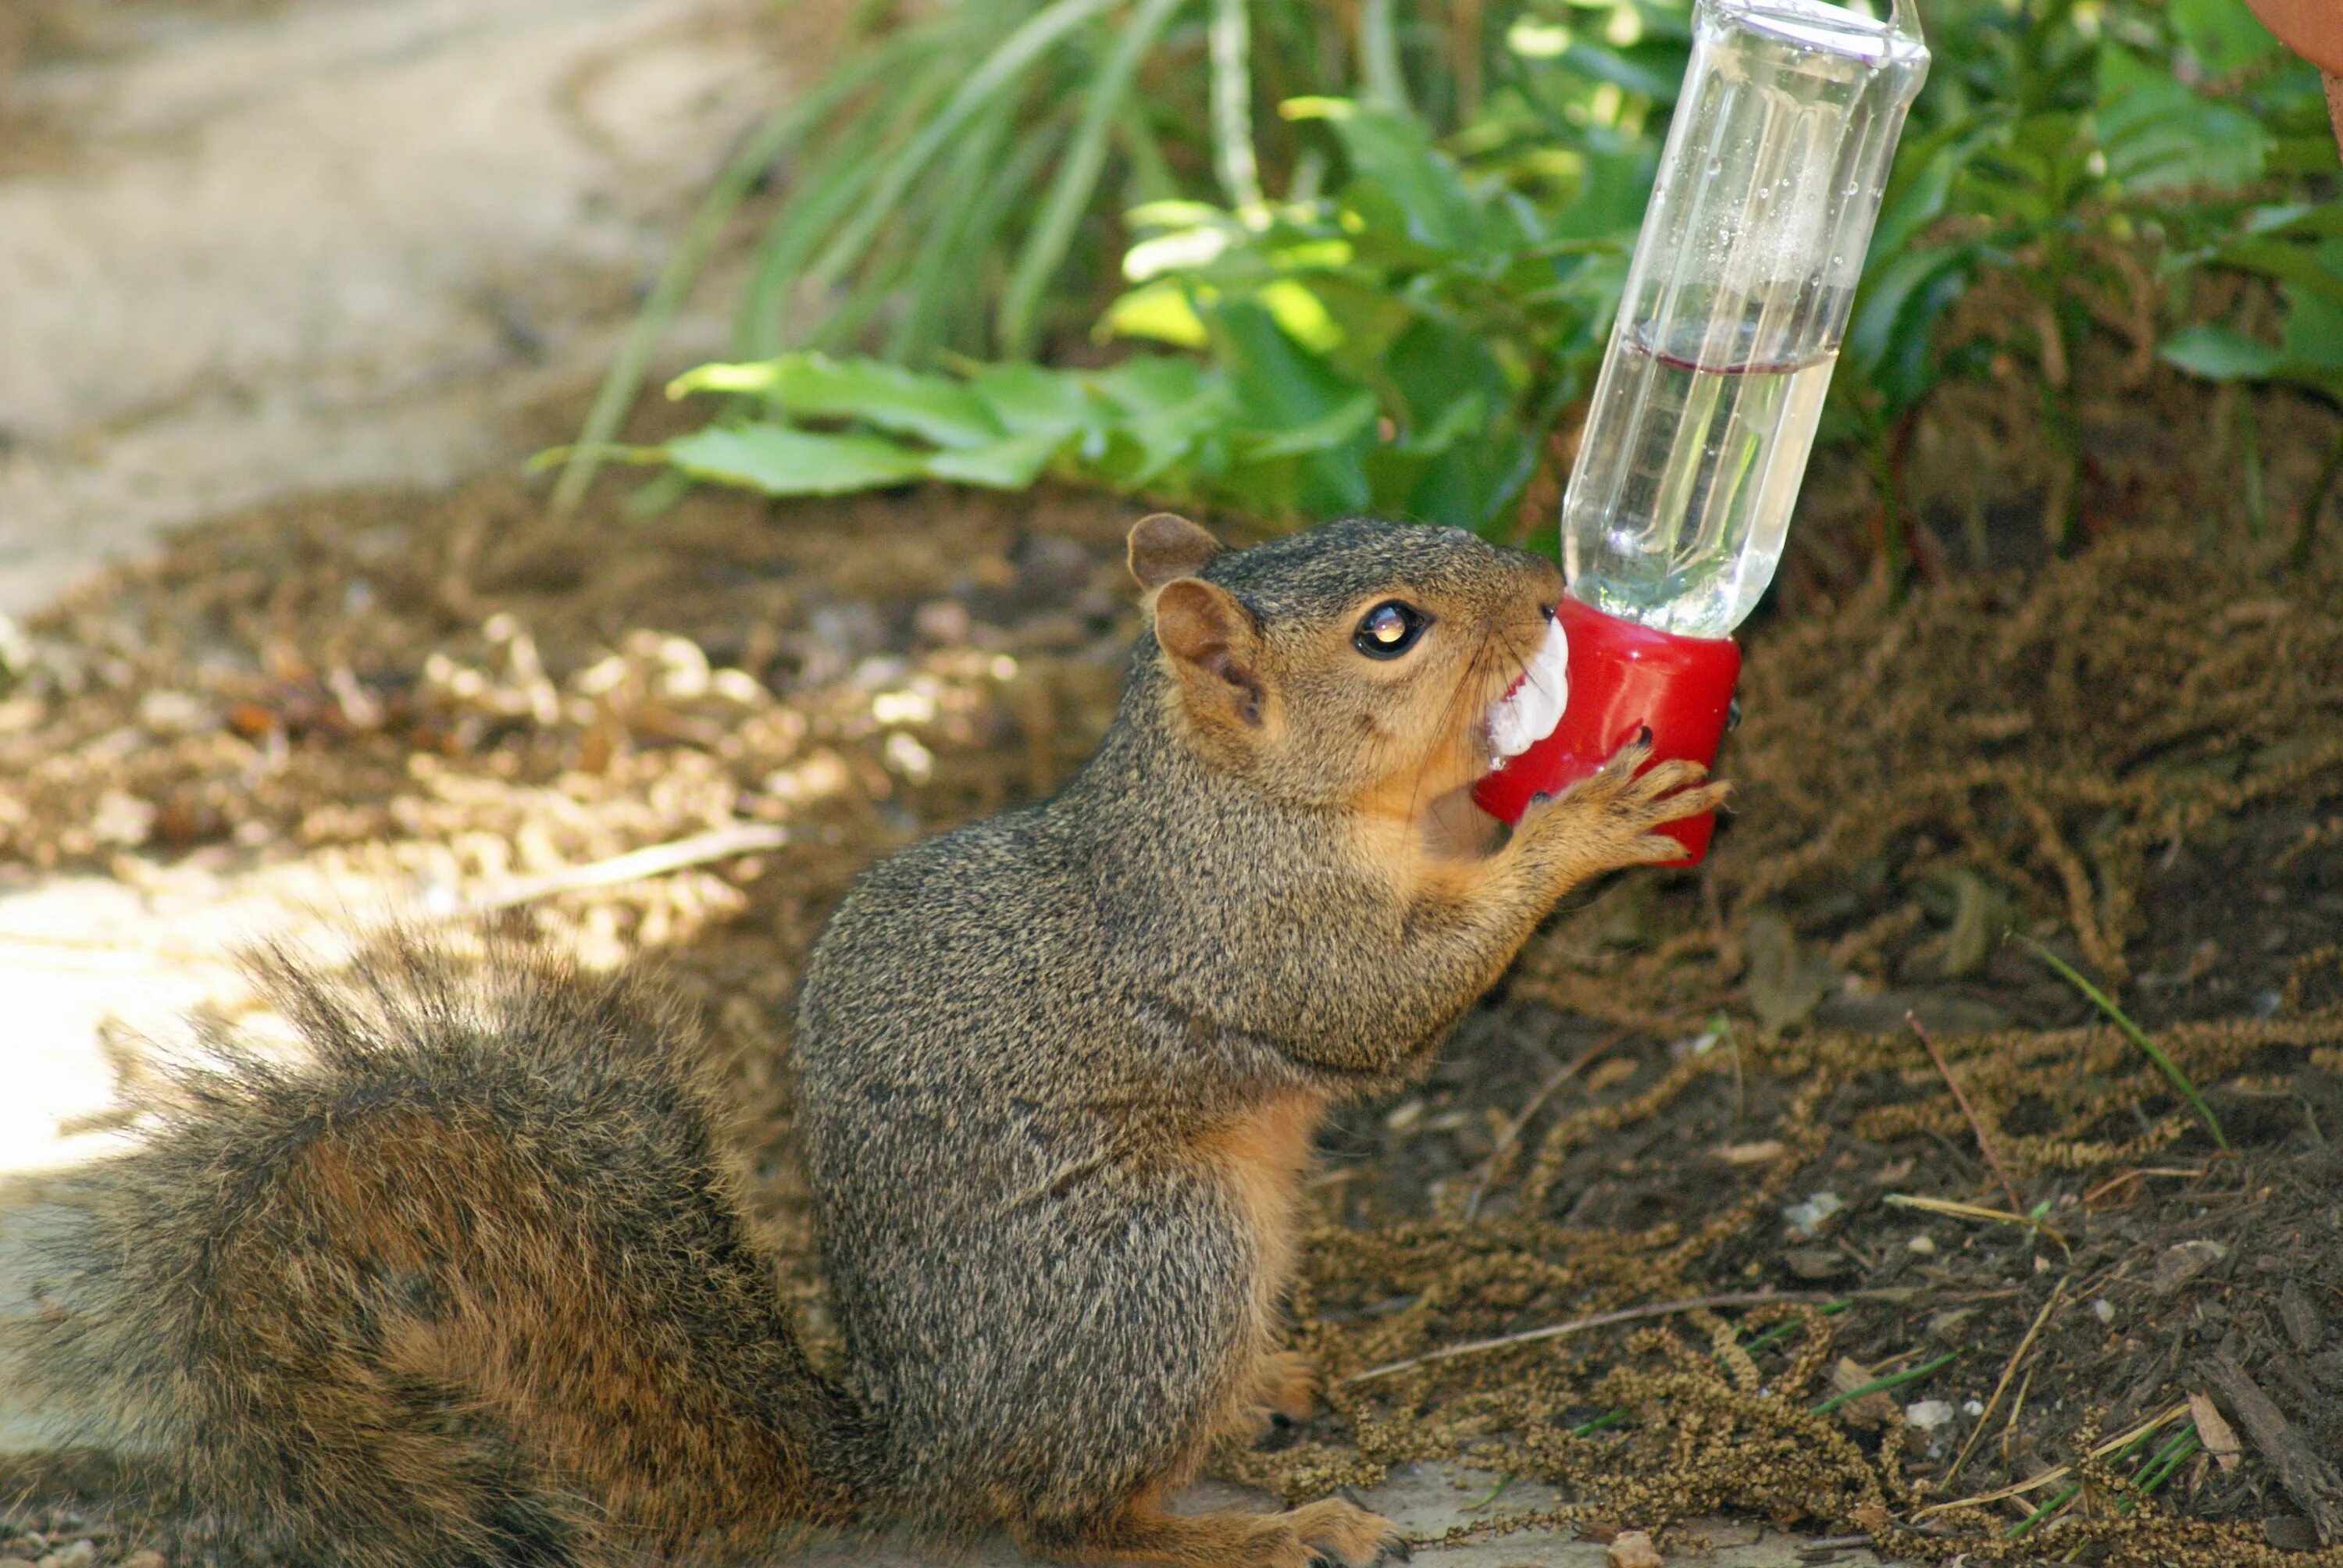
465, 1284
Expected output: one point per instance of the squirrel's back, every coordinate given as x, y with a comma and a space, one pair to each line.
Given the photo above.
465, 1284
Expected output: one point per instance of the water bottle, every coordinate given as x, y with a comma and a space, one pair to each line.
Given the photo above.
1712, 386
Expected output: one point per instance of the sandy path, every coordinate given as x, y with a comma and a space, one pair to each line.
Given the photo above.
341, 241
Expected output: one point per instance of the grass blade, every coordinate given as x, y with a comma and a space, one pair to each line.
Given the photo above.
1151, 179
847, 168
1893, 1380
946, 232
954, 295
2152, 1473
1078, 175
2133, 1032
1000, 72
2118, 1445
1233, 149
1379, 69
1947, 1206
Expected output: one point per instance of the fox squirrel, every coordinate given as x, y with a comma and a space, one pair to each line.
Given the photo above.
469, 1285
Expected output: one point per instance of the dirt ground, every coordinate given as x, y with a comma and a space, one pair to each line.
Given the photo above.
1694, 1085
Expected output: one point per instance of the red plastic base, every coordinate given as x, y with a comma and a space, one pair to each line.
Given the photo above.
1624, 677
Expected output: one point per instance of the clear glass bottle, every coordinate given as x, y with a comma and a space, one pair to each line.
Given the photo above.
1735, 302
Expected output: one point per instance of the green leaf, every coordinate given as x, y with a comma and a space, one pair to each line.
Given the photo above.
2314, 329
1151, 384
2324, 218
2220, 354
1890, 338
1927, 169
815, 386
1158, 311
2222, 34
1654, 72
2157, 134
1027, 400
2295, 264
1327, 431
1169, 408
1391, 151
784, 462
1300, 314
1010, 465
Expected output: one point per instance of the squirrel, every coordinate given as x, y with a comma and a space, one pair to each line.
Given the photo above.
468, 1283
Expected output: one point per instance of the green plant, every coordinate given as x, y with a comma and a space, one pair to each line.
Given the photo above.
953, 184
1401, 344
1403, 325
2133, 1032
2302, 246
2060, 146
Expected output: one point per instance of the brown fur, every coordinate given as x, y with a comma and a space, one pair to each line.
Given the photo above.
1260, 1159
470, 1289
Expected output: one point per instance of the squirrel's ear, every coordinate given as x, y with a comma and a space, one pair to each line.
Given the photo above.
1214, 647
1164, 546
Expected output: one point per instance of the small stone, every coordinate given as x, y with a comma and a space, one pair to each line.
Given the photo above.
121, 818
1818, 1262
2104, 1310
2288, 1533
150, 1558
943, 622
1928, 1414
80, 1555
1921, 1246
1806, 1218
168, 712
2183, 1262
1634, 1549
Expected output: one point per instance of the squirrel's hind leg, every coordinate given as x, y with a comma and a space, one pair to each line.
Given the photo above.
1144, 1532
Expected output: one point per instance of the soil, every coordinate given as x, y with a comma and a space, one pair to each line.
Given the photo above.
1693, 1084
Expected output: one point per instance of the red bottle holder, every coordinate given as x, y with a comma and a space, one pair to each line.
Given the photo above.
1623, 677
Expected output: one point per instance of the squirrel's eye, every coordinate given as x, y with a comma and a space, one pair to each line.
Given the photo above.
1389, 630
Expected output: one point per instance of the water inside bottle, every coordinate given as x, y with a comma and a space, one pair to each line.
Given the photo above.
1683, 492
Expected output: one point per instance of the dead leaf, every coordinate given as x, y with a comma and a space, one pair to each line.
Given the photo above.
2183, 1262
1784, 985
2215, 1433
1981, 917
1870, 1413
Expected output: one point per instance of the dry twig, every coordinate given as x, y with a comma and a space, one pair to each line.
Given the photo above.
1984, 1144
2057, 1294
635, 866
1580, 1325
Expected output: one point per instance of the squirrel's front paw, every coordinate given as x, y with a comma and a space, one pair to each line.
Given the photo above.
1609, 816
